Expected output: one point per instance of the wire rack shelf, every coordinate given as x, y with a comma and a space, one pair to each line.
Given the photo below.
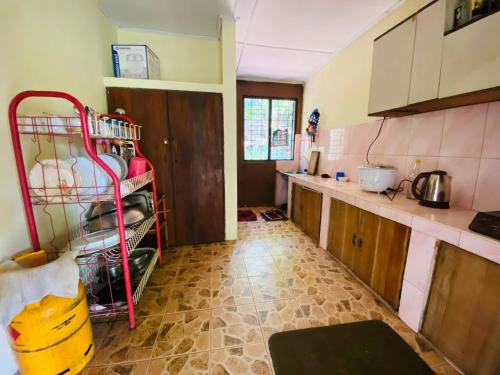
58, 201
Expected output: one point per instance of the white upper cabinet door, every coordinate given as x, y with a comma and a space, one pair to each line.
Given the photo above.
471, 58
426, 67
391, 68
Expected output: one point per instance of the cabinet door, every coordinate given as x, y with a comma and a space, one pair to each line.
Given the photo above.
366, 241
311, 220
297, 207
196, 146
471, 58
390, 260
463, 313
391, 68
336, 227
426, 67
351, 226
149, 109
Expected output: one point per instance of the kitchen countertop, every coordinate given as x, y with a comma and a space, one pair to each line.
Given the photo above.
450, 225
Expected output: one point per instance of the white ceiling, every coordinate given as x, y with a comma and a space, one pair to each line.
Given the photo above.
289, 40
191, 17
278, 40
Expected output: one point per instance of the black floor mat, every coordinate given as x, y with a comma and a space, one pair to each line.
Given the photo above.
363, 348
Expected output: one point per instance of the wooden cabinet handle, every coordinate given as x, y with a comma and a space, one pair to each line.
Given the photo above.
353, 240
360, 243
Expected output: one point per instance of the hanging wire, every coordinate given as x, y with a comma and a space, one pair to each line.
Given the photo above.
374, 140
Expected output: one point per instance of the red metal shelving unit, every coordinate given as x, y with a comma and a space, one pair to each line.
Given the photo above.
35, 137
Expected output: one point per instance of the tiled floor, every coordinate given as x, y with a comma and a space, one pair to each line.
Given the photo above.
210, 309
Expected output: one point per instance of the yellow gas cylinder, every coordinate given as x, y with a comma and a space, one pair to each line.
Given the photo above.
53, 336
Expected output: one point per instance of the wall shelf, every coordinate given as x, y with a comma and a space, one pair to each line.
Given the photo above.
162, 85
472, 20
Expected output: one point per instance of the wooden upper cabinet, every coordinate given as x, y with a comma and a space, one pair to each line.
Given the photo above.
426, 66
392, 68
471, 58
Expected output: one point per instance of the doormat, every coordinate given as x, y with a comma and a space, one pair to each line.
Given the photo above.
273, 215
369, 347
246, 215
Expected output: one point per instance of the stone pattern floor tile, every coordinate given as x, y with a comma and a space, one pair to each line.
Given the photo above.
211, 308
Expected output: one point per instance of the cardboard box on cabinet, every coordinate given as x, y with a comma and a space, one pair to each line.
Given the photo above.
135, 61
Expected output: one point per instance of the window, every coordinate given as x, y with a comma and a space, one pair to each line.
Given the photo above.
269, 128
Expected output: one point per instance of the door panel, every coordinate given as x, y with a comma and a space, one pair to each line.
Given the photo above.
463, 313
391, 68
366, 240
426, 67
311, 220
390, 260
336, 227
351, 226
148, 108
196, 147
297, 205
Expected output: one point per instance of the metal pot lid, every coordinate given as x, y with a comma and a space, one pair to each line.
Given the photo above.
376, 166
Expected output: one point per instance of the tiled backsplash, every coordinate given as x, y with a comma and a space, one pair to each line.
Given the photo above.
463, 141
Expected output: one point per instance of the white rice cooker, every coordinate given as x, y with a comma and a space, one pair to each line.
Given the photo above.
376, 177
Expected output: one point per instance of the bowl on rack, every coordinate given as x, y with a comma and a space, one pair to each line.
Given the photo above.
139, 260
131, 215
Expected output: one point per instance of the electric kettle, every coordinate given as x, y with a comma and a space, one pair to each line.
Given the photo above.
435, 189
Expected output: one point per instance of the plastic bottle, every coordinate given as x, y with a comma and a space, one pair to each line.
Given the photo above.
413, 173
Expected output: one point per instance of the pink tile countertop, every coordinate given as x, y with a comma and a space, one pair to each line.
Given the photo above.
450, 225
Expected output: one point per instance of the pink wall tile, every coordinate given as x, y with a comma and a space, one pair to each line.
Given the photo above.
427, 164
485, 247
420, 259
438, 231
394, 138
399, 162
464, 173
491, 147
487, 193
412, 305
426, 132
361, 136
453, 140
463, 131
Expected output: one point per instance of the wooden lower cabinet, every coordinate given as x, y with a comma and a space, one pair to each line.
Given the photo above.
390, 261
462, 318
366, 245
306, 210
373, 247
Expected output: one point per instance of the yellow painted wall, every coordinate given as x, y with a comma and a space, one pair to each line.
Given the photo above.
182, 58
228, 39
341, 89
50, 45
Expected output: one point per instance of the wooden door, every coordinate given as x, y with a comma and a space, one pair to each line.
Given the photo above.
463, 313
471, 58
148, 108
196, 147
311, 219
426, 67
336, 227
366, 241
391, 68
351, 226
390, 260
